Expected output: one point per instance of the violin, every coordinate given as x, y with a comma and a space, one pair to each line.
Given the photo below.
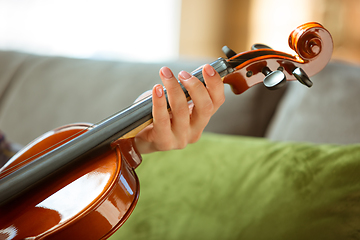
79, 182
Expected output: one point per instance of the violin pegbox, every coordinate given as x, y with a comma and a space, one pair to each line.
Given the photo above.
312, 44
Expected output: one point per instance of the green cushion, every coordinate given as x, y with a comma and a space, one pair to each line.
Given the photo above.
230, 187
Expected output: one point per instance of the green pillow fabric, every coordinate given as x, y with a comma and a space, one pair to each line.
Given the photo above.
231, 187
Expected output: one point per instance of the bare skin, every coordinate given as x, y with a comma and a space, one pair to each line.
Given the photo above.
185, 123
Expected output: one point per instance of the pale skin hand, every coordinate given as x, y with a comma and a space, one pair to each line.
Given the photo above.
185, 124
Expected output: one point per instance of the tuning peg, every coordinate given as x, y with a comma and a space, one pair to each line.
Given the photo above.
302, 77
257, 46
228, 52
273, 80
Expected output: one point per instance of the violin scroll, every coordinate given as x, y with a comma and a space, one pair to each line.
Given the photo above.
306, 41
312, 44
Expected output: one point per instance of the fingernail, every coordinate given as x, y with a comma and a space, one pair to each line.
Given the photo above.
184, 75
209, 70
159, 91
166, 72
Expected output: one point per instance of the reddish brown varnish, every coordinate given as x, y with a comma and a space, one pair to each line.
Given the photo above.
312, 43
92, 198
89, 201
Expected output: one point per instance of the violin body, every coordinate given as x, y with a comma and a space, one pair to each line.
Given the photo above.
98, 196
78, 181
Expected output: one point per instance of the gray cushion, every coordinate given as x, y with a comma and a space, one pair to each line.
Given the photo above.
10, 63
329, 112
247, 114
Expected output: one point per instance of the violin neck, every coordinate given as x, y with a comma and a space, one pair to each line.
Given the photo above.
103, 134
220, 65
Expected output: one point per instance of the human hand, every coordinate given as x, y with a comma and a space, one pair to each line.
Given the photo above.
186, 122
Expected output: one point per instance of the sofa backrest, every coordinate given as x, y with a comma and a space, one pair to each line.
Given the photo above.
43, 93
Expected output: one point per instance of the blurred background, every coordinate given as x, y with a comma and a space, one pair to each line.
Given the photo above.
165, 30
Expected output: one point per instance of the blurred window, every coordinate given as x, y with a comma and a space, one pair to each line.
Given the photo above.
139, 30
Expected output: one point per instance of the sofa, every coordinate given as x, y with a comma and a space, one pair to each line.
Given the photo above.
280, 164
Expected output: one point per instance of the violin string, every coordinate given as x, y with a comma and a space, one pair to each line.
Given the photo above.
14, 167
8, 171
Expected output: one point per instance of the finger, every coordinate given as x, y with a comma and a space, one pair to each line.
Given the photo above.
148, 139
178, 103
214, 85
161, 118
203, 108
